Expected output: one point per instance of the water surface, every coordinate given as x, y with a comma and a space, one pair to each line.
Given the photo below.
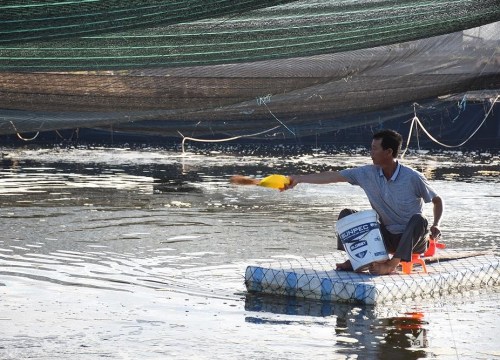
141, 253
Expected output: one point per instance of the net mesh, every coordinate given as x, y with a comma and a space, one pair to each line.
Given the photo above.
313, 278
186, 33
234, 67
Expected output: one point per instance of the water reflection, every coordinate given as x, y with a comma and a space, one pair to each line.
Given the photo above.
363, 330
403, 333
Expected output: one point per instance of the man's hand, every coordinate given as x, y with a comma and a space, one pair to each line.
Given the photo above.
293, 182
435, 232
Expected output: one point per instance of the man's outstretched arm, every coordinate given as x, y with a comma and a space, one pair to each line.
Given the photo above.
326, 177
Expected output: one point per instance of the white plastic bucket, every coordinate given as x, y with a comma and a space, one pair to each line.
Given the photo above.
360, 234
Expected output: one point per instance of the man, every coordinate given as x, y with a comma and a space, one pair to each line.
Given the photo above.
396, 192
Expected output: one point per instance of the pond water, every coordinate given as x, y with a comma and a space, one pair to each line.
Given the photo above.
128, 253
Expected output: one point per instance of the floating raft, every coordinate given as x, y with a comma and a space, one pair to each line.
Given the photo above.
313, 278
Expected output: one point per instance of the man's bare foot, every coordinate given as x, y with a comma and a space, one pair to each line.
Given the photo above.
382, 268
345, 266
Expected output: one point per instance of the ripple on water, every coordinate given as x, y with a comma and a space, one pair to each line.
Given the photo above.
144, 252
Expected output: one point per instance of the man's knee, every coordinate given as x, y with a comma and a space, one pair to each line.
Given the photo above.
343, 214
419, 221
346, 212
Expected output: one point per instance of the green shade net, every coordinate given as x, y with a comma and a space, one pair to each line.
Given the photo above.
160, 67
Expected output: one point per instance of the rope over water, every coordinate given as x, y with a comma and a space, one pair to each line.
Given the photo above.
416, 123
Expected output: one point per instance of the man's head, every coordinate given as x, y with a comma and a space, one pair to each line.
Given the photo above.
386, 145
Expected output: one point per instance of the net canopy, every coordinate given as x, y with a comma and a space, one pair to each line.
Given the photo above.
205, 67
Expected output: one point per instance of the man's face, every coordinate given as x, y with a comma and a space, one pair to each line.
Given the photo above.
378, 154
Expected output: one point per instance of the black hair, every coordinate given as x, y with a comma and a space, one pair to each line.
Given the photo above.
390, 140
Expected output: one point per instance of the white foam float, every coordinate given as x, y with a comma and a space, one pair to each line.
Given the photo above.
314, 278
